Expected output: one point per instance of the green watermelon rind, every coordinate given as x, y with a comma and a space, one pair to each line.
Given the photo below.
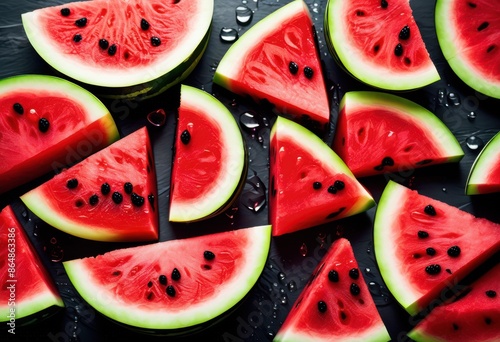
447, 40
482, 166
418, 115
330, 160
229, 185
144, 83
356, 64
257, 254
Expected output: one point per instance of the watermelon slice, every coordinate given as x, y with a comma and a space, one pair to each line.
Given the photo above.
336, 304
310, 184
277, 60
209, 166
424, 246
109, 196
60, 122
484, 175
27, 292
473, 316
379, 133
124, 48
176, 284
468, 33
379, 43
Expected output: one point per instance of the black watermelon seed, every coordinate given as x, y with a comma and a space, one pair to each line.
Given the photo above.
454, 251
483, 26
491, 293
43, 125
339, 185
354, 273
94, 199
112, 50
137, 200
387, 161
333, 276
416, 255
144, 24
317, 185
384, 4
332, 189
128, 187
398, 50
105, 188
404, 33
117, 197
150, 284
430, 251
208, 255
150, 296
155, 41
77, 38
116, 273
18, 108
103, 43
81, 22
487, 320
322, 306
185, 137
455, 326
448, 270
176, 275
308, 72
355, 290
422, 234
433, 269
162, 279
293, 67
65, 12
170, 290
430, 210
72, 183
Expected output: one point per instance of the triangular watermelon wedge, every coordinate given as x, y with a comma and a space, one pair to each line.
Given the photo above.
277, 60
310, 184
473, 316
336, 304
424, 246
109, 196
27, 291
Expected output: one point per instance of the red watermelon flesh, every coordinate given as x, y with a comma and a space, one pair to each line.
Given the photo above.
78, 125
424, 246
78, 202
259, 64
473, 317
27, 288
310, 184
335, 304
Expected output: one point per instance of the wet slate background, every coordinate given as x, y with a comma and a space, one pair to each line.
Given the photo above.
293, 257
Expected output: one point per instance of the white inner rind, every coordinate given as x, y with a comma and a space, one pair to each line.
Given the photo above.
226, 296
118, 77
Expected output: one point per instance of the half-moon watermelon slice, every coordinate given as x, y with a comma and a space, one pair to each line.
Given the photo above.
379, 43
277, 60
210, 164
379, 133
47, 123
484, 175
474, 316
27, 293
176, 284
109, 196
125, 48
335, 305
424, 247
310, 184
468, 34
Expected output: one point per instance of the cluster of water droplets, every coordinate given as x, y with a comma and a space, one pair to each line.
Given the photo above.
243, 16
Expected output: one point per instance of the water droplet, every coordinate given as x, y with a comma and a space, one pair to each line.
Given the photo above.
244, 15
292, 286
254, 194
471, 116
453, 99
441, 96
250, 121
379, 293
303, 249
281, 276
228, 35
36, 230
157, 117
444, 189
284, 299
474, 143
